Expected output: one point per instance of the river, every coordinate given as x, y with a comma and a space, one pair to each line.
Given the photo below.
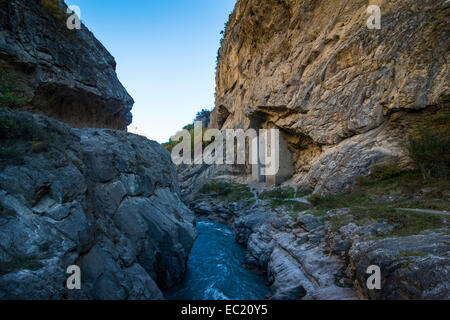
214, 269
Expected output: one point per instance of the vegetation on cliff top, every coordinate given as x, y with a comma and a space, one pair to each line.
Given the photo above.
52, 6
204, 116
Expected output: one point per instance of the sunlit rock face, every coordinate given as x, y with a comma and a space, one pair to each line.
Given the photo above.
343, 95
67, 74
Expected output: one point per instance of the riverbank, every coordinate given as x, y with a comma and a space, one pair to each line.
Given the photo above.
321, 248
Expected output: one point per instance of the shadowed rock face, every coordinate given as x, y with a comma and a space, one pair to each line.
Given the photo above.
67, 74
338, 90
101, 199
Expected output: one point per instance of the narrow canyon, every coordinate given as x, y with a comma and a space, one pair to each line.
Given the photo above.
364, 126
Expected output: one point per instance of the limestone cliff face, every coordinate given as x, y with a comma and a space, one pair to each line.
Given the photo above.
343, 96
68, 75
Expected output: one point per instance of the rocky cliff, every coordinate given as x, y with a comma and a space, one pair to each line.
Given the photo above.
342, 95
344, 98
65, 74
323, 255
103, 200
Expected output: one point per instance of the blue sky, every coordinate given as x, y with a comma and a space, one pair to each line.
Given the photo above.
165, 52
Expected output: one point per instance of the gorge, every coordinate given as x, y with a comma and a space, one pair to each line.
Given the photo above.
363, 117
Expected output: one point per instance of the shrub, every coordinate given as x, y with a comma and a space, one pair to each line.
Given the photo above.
204, 116
445, 98
39, 146
8, 97
429, 147
341, 200
221, 188
362, 181
52, 6
31, 131
385, 171
315, 199
279, 193
178, 215
227, 191
171, 144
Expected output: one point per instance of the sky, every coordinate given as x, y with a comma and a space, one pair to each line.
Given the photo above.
166, 55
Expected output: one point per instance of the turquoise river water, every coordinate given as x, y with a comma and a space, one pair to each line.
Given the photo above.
214, 269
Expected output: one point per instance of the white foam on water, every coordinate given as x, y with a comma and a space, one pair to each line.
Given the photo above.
213, 293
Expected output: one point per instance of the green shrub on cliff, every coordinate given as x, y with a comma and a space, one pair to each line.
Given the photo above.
8, 96
384, 171
52, 6
429, 146
204, 116
278, 193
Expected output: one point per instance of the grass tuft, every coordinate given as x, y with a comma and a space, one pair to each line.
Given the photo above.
227, 191
279, 193
412, 253
385, 171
